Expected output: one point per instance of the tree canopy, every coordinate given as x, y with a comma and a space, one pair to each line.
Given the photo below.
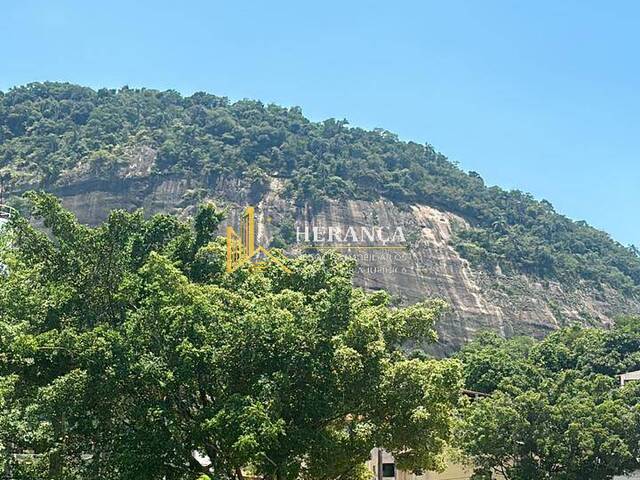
128, 352
555, 409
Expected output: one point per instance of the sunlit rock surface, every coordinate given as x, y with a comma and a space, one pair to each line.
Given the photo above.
428, 266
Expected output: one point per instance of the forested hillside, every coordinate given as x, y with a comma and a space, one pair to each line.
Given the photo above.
50, 130
129, 336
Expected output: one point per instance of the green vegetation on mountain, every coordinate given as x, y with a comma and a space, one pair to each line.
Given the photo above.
46, 130
555, 410
127, 347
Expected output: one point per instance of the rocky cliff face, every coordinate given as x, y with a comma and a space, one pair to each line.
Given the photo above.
429, 266
425, 266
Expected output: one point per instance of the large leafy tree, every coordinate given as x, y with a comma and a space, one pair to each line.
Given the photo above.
128, 352
555, 410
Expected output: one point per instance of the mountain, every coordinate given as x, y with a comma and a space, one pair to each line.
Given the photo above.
502, 259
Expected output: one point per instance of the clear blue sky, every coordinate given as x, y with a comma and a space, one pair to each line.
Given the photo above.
543, 96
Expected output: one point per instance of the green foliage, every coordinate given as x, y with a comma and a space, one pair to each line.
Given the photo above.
286, 234
50, 130
126, 348
556, 411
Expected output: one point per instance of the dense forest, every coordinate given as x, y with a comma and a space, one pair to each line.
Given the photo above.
47, 129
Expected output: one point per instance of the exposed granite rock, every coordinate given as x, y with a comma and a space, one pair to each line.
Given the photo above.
431, 267
427, 267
